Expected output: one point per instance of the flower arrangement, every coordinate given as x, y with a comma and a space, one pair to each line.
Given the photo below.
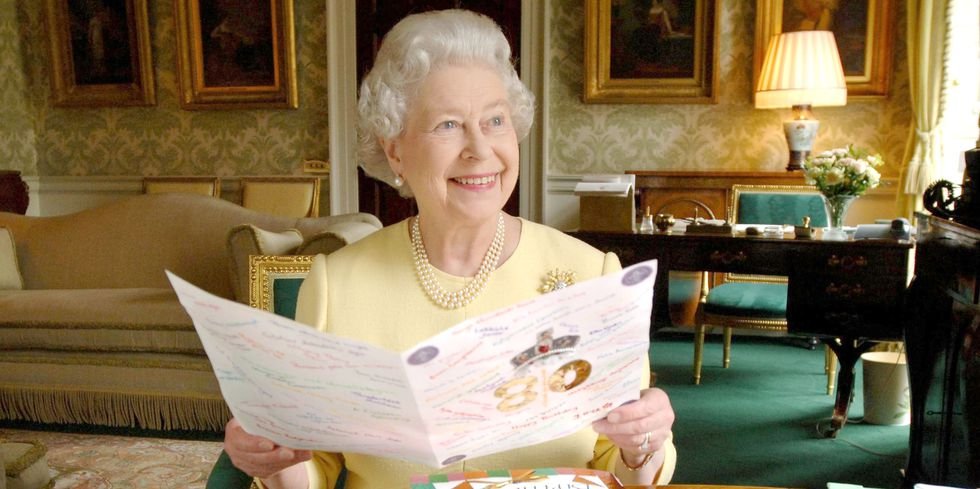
843, 171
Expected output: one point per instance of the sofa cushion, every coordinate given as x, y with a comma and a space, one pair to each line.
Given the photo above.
247, 240
10, 278
102, 320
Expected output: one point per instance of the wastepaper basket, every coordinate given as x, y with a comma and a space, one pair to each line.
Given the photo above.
886, 388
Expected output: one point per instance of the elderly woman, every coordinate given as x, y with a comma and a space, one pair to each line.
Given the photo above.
441, 115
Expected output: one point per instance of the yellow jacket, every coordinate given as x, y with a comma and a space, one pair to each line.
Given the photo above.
369, 291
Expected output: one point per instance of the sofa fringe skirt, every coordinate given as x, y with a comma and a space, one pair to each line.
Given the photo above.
147, 411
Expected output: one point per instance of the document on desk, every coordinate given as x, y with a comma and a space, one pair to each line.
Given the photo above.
514, 377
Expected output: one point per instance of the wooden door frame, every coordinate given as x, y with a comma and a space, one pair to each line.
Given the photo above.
342, 105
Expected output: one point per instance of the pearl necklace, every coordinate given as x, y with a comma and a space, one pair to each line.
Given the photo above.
462, 297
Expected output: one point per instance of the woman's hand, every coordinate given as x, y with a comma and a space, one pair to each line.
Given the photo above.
639, 428
258, 456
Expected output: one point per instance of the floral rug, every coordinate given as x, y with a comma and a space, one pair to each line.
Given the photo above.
80, 461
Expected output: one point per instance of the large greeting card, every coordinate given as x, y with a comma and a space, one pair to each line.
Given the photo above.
518, 376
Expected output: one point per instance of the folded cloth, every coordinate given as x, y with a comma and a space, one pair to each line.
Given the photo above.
26, 465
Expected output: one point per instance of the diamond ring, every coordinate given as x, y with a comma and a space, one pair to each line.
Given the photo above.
646, 442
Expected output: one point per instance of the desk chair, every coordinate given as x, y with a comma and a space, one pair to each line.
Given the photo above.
757, 301
273, 286
282, 196
210, 186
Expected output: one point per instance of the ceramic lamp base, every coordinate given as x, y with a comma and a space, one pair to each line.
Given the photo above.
800, 134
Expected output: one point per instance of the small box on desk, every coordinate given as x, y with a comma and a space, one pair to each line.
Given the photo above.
606, 203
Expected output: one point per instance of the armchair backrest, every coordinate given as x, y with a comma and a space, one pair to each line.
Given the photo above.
777, 204
210, 186
290, 196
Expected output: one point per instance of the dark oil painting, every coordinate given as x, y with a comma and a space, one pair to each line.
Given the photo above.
847, 19
101, 49
237, 44
652, 38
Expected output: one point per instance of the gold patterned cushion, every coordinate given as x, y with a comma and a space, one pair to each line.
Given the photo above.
246, 240
10, 278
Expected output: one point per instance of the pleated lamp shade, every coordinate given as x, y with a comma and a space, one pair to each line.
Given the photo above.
801, 68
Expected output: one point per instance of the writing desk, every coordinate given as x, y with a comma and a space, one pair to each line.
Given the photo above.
848, 293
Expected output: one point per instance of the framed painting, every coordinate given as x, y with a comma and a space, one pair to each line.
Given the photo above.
100, 53
864, 30
236, 54
651, 51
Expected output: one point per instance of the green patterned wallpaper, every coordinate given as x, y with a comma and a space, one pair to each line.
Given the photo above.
731, 135
37, 138
163, 139
17, 136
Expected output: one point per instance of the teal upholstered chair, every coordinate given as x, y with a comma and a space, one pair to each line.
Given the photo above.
756, 301
274, 283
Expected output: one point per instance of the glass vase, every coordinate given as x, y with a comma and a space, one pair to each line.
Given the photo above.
836, 206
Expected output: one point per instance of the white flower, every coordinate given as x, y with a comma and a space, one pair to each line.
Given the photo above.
874, 178
834, 176
858, 166
843, 171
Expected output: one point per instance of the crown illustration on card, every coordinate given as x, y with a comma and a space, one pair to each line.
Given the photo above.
546, 346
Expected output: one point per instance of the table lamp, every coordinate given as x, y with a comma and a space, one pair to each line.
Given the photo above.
801, 69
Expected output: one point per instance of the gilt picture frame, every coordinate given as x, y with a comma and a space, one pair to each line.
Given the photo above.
100, 53
236, 54
864, 30
651, 52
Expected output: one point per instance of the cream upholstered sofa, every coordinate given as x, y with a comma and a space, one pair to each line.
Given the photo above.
91, 331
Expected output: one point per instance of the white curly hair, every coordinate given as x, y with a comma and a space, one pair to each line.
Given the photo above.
416, 46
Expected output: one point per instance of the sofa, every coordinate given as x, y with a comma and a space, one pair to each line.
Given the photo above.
91, 331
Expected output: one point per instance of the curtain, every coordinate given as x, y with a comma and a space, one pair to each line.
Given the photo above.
927, 39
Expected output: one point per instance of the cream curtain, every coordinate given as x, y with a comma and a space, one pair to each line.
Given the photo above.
927, 39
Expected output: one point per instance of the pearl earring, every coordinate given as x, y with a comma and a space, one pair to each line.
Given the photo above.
398, 181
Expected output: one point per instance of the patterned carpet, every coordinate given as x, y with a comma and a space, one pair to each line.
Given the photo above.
122, 462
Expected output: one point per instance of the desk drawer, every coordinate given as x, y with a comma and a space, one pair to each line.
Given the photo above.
758, 257
854, 262
861, 306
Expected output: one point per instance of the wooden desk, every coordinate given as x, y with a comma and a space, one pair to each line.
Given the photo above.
942, 342
848, 293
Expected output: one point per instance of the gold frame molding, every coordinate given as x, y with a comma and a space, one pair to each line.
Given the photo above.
195, 94
600, 87
263, 269
68, 91
875, 78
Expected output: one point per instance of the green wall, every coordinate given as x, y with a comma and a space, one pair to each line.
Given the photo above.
730, 135
17, 134
39, 139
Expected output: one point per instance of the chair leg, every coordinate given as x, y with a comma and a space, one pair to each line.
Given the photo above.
830, 366
698, 351
726, 355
